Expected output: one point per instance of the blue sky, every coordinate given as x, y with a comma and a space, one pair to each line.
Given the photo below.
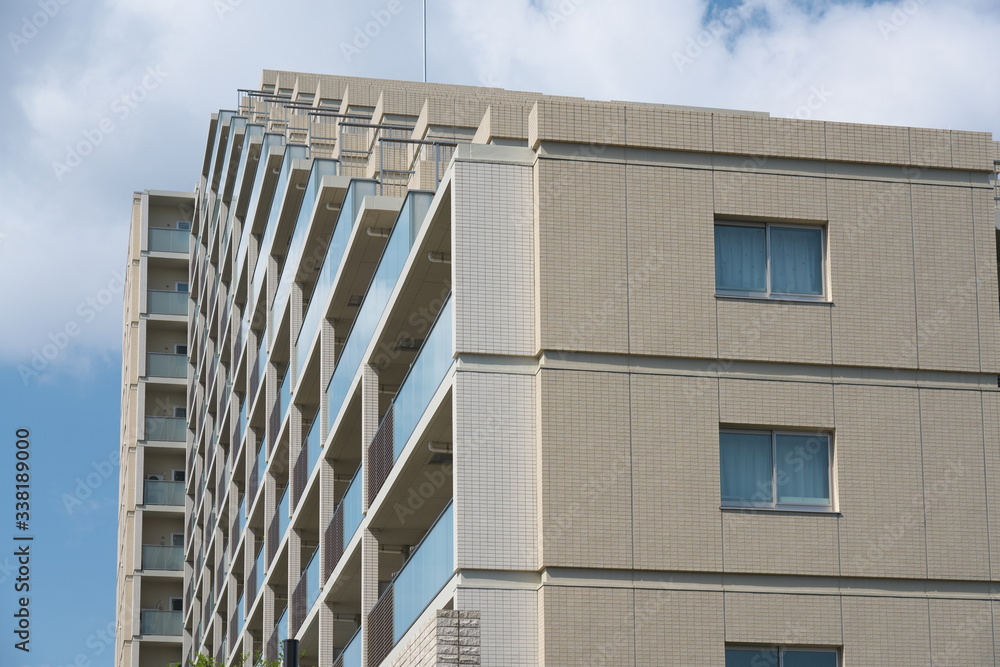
134, 82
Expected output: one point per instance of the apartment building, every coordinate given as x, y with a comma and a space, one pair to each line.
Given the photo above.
154, 432
484, 377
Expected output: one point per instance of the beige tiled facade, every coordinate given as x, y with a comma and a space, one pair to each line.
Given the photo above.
549, 461
153, 431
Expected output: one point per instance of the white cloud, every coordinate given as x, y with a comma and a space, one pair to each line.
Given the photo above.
913, 62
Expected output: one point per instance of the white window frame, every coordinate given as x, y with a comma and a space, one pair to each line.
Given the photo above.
174, 541
180, 345
187, 286
767, 294
180, 412
184, 225
178, 599
774, 505
782, 649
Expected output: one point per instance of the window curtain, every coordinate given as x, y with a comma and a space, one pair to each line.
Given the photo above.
740, 258
796, 261
745, 461
803, 469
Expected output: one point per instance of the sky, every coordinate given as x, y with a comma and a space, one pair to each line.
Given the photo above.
101, 98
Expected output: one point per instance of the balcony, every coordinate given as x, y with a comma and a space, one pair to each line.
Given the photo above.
168, 429
305, 593
278, 525
156, 622
157, 492
163, 302
390, 267
166, 365
169, 240
255, 582
356, 194
429, 568
344, 523
419, 386
155, 557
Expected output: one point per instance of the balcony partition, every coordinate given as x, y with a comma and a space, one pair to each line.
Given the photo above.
258, 172
390, 267
164, 302
356, 194
156, 622
156, 557
169, 240
163, 493
166, 365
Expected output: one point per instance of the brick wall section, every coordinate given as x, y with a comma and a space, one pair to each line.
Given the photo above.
451, 638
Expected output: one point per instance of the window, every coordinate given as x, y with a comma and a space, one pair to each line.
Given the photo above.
769, 260
180, 412
776, 656
180, 287
176, 604
775, 470
180, 348
184, 225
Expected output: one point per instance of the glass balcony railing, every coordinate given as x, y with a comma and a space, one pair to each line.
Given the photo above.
356, 194
423, 576
268, 142
163, 493
282, 628
390, 266
241, 425
155, 557
261, 463
163, 302
239, 520
281, 189
313, 446
311, 580
425, 375
169, 429
260, 367
321, 167
351, 655
169, 240
284, 396
156, 622
166, 365
282, 514
240, 616
256, 579
350, 505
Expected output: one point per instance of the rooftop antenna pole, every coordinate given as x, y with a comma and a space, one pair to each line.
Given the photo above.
425, 41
